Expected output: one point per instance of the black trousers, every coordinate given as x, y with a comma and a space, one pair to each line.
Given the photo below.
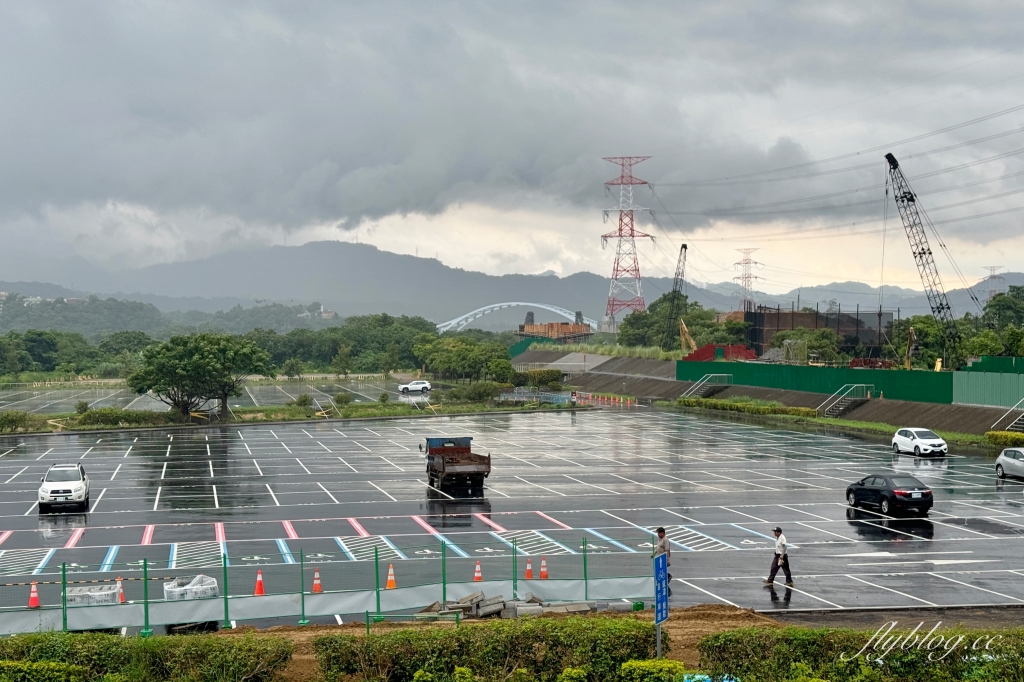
780, 561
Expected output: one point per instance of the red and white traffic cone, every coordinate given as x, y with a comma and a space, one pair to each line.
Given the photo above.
120, 591
478, 576
259, 592
543, 568
391, 578
317, 587
33, 597
529, 570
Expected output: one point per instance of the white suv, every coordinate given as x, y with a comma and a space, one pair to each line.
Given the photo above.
919, 441
64, 484
413, 386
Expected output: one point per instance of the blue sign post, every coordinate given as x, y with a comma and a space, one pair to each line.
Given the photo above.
660, 594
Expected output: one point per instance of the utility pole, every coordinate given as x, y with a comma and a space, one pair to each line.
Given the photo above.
993, 280
746, 279
625, 291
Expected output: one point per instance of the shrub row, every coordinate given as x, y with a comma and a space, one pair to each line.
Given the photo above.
193, 658
537, 377
748, 408
12, 421
476, 392
1005, 439
542, 648
115, 416
770, 655
43, 671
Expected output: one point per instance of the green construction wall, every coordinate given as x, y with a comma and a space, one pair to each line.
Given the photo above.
996, 363
920, 386
1001, 389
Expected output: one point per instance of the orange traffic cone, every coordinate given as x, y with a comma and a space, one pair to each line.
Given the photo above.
477, 575
543, 568
120, 590
258, 592
391, 578
33, 597
529, 570
317, 587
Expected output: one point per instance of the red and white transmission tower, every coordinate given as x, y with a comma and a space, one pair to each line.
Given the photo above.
746, 278
625, 292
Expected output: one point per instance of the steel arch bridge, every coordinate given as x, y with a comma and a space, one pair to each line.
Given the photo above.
461, 321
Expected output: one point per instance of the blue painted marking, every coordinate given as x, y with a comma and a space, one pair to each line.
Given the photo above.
399, 552
608, 539
42, 564
172, 558
567, 549
752, 532
709, 537
523, 552
451, 545
108, 560
344, 549
224, 553
286, 553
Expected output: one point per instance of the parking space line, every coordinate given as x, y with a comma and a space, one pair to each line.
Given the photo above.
75, 537
710, 594
344, 548
822, 530
749, 516
257, 464
216, 500
218, 532
490, 523
210, 462
889, 589
607, 490
42, 564
609, 540
391, 463
975, 587
399, 552
147, 535
536, 485
348, 465
554, 521
290, 530
647, 485
108, 560
328, 493
812, 596
15, 475
303, 466
6, 534
358, 527
93, 505
44, 454
393, 499
272, 495
286, 552
323, 446
801, 511
362, 446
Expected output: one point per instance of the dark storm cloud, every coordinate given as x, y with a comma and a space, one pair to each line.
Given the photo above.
249, 116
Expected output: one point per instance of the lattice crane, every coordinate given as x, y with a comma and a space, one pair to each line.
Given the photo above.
906, 202
675, 303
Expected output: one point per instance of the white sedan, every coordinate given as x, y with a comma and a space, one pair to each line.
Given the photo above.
419, 386
919, 441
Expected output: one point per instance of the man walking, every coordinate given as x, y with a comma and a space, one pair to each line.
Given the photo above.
663, 547
781, 560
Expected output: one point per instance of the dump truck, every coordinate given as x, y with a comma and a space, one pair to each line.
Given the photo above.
451, 463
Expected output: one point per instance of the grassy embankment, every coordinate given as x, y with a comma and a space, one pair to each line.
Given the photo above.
774, 412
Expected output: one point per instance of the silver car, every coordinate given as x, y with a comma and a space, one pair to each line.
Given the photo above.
1010, 462
64, 484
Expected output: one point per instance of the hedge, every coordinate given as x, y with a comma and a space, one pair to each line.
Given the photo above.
541, 647
1005, 439
191, 658
115, 416
748, 408
778, 655
658, 670
43, 671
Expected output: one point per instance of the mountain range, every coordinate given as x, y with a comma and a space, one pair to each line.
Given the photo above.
354, 279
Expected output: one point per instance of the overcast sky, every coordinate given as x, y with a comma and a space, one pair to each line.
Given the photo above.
146, 132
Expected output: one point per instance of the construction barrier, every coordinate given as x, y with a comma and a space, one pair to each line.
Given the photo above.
77, 597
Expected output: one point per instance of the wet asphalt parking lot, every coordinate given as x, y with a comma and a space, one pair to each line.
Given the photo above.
338, 491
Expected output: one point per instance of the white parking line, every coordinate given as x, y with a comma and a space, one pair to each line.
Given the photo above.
975, 587
889, 589
393, 499
328, 493
710, 594
271, 491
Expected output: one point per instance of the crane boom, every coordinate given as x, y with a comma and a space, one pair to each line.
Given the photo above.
906, 202
675, 303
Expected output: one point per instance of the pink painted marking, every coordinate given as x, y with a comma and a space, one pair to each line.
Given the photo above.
147, 535
359, 528
75, 537
218, 531
490, 523
290, 530
6, 534
557, 523
430, 529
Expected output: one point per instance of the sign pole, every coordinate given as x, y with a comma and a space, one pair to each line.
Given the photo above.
660, 595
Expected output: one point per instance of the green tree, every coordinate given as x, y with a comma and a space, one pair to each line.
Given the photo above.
985, 343
292, 368
235, 360
1006, 308
342, 362
130, 341
824, 343
177, 372
42, 348
501, 370
391, 358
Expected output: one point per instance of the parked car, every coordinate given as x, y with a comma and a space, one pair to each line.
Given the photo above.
890, 493
64, 484
415, 386
1010, 462
919, 441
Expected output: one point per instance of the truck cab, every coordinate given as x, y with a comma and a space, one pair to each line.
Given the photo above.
451, 463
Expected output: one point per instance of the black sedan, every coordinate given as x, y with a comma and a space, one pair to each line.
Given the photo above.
890, 494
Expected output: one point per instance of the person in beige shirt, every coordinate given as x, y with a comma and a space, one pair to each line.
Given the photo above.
663, 547
781, 560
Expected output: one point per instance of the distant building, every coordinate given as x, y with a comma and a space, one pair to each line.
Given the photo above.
562, 332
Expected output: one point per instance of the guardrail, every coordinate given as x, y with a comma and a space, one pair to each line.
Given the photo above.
366, 574
707, 380
846, 394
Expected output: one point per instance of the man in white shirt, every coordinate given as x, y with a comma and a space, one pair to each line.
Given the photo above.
781, 560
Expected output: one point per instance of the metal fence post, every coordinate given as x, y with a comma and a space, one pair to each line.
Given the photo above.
376, 576
444, 573
227, 617
367, 623
146, 630
515, 571
586, 585
302, 587
64, 594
